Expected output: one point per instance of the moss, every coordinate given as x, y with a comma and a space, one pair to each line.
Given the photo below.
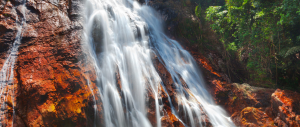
235, 97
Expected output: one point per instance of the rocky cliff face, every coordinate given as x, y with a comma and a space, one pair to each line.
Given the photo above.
54, 82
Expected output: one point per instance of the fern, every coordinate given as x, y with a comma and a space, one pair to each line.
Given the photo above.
292, 50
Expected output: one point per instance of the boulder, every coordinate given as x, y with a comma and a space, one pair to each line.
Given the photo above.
286, 108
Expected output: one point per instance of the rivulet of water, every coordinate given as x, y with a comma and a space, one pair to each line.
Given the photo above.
121, 36
7, 71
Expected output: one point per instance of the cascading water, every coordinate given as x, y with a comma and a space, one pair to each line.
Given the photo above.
7, 71
121, 36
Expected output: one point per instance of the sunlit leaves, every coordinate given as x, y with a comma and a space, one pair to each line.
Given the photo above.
266, 28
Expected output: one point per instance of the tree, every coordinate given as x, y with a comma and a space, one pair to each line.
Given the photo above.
265, 35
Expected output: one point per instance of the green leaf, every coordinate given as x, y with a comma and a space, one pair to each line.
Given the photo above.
198, 11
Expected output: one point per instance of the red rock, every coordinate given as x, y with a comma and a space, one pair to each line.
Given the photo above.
52, 87
169, 119
248, 106
286, 108
253, 117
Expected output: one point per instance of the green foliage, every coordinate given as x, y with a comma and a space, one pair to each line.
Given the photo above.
232, 46
189, 30
207, 3
292, 50
265, 32
198, 11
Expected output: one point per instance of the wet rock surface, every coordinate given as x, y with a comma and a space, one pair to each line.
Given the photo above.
286, 108
54, 83
251, 106
168, 94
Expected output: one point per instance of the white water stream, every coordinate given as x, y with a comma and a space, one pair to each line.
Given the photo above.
7, 71
122, 35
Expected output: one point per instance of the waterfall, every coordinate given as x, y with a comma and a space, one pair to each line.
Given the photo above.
122, 36
7, 72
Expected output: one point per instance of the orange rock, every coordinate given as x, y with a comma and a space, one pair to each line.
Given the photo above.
286, 108
168, 118
238, 99
204, 62
253, 117
53, 85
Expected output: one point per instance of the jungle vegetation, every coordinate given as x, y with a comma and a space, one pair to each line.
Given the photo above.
264, 35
